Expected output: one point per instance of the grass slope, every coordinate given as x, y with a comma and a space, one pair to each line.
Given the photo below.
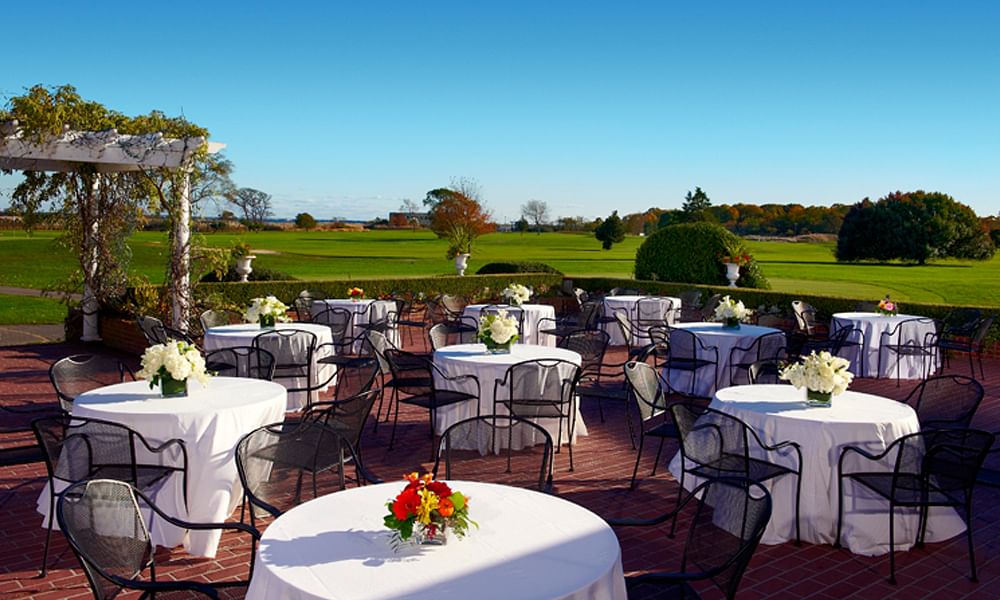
30, 310
37, 262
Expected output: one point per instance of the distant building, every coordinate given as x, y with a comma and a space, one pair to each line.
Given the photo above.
422, 218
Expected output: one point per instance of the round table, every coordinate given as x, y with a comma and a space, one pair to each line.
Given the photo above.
243, 334
714, 335
529, 330
363, 311
627, 304
528, 546
872, 326
779, 413
465, 359
210, 421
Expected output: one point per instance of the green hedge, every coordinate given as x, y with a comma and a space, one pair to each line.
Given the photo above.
495, 268
753, 298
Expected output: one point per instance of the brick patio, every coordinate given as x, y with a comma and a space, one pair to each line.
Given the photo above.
600, 482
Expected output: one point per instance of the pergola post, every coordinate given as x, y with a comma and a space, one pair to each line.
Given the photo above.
180, 300
89, 305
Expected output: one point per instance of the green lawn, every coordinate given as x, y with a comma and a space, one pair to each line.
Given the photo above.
30, 310
38, 261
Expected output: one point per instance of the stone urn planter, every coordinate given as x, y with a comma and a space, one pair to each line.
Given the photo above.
243, 267
461, 263
732, 273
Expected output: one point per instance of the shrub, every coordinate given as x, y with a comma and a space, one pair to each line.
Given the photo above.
689, 253
258, 274
516, 267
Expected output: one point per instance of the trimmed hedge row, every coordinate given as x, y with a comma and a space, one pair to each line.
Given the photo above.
754, 298
515, 266
240, 294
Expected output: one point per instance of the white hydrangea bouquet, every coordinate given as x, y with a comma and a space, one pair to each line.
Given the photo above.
516, 294
498, 331
730, 312
823, 375
170, 365
266, 311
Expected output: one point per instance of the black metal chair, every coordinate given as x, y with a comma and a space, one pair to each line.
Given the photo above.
907, 339
528, 448
708, 309
765, 372
410, 315
77, 449
104, 526
770, 346
303, 304
241, 361
79, 373
541, 389
920, 470
808, 321
273, 460
346, 348
152, 329
218, 318
721, 445
562, 327
294, 351
592, 346
347, 416
690, 305
946, 401
421, 380
650, 391
688, 353
956, 336
651, 311
444, 334
730, 516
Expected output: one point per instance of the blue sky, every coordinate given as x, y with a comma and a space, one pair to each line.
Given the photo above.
346, 108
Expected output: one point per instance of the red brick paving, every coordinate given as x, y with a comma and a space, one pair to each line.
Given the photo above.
600, 482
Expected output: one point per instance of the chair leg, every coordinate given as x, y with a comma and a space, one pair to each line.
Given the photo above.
892, 544
395, 422
798, 503
638, 457
659, 452
680, 493
48, 534
968, 534
840, 509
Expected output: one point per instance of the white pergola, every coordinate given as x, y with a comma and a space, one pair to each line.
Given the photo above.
111, 152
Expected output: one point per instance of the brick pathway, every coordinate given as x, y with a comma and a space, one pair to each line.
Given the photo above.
600, 483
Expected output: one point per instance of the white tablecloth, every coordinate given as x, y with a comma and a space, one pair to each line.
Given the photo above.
872, 325
528, 546
465, 359
713, 334
778, 413
210, 421
243, 334
627, 305
363, 311
532, 314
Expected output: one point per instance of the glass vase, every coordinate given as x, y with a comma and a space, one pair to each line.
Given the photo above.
172, 388
266, 321
494, 348
819, 399
731, 323
432, 534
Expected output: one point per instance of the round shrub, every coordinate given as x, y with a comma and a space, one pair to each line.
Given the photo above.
689, 253
495, 268
258, 274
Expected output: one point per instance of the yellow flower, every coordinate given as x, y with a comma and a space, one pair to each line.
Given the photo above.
428, 503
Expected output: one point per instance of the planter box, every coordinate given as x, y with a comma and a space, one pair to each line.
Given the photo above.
122, 334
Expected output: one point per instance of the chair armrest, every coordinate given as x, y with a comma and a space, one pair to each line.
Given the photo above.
168, 585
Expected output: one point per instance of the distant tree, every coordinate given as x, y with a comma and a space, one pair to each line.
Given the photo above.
522, 225
227, 215
610, 231
459, 219
466, 187
695, 205
670, 217
409, 206
398, 220
536, 211
305, 221
914, 227
255, 204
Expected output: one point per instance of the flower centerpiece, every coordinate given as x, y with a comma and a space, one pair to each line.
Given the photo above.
733, 258
355, 294
730, 312
498, 331
170, 365
886, 307
425, 510
516, 294
266, 311
823, 375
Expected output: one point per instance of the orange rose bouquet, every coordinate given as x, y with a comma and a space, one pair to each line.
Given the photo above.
426, 509
355, 293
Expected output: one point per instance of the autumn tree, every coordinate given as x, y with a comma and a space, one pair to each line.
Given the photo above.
459, 219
